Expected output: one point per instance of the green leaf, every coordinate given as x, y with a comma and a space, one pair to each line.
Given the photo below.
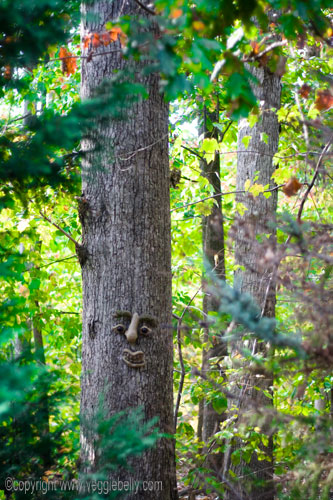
208, 147
264, 137
252, 120
220, 404
246, 140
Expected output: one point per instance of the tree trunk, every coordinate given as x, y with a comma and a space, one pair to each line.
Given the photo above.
126, 234
213, 252
255, 479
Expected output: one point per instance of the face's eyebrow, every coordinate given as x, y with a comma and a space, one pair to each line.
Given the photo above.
149, 319
122, 314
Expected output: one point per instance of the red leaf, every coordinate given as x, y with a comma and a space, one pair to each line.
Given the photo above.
324, 100
304, 91
96, 42
106, 39
291, 187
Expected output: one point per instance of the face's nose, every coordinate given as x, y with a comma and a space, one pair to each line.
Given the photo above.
132, 332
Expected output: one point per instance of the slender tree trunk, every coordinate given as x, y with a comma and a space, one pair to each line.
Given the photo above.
255, 479
213, 252
126, 233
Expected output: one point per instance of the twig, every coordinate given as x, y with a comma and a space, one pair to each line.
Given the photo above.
144, 7
180, 355
251, 152
64, 312
265, 51
92, 54
226, 130
54, 261
194, 152
223, 479
19, 118
221, 194
310, 186
220, 64
76, 243
133, 153
300, 110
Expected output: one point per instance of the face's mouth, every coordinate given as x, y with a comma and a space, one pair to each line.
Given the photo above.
134, 359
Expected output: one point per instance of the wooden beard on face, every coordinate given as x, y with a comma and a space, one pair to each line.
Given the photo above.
133, 327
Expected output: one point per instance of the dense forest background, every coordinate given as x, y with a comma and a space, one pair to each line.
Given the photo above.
253, 383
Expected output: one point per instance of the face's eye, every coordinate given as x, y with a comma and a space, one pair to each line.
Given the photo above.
145, 330
119, 329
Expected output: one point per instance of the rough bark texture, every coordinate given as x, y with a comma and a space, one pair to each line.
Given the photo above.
255, 478
213, 252
126, 233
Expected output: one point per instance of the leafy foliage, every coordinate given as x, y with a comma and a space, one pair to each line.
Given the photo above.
202, 51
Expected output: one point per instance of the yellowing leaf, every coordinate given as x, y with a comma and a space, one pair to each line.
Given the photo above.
247, 184
241, 208
198, 25
208, 147
256, 189
205, 208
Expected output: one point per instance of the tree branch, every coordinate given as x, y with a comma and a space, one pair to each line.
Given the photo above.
144, 7
194, 152
265, 51
310, 186
76, 243
180, 355
221, 194
54, 261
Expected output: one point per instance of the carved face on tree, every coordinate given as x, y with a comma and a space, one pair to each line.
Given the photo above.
133, 326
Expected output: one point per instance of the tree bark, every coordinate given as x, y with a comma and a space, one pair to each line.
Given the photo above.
126, 235
255, 479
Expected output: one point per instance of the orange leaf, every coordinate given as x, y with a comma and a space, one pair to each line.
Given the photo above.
291, 187
175, 13
63, 52
86, 41
255, 47
106, 39
8, 72
324, 100
96, 42
114, 32
304, 91
68, 64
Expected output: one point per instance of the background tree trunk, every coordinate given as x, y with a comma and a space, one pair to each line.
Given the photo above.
255, 478
213, 253
126, 232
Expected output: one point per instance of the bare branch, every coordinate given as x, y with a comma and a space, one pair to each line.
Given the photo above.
220, 194
76, 243
310, 186
144, 7
180, 355
265, 51
54, 261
